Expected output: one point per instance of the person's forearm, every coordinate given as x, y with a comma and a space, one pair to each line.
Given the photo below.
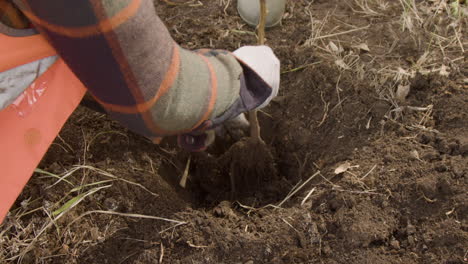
125, 56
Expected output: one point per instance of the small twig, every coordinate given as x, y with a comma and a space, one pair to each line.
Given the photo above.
226, 7
183, 179
242, 32
357, 192
286, 222
195, 246
188, 3
340, 33
172, 227
325, 110
369, 172
330, 182
162, 254
338, 92
126, 215
147, 157
301, 67
298, 189
307, 196
107, 174
262, 22
428, 200
65, 143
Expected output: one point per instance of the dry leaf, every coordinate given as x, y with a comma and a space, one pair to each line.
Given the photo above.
363, 47
334, 48
415, 154
402, 92
343, 168
443, 71
342, 64
423, 59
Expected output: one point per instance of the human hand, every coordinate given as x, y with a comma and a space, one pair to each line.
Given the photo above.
263, 61
235, 128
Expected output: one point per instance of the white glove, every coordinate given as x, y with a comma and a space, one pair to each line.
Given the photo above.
263, 61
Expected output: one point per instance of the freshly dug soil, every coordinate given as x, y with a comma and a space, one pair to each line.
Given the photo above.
393, 180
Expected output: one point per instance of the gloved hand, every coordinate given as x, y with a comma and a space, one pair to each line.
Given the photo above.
200, 141
263, 61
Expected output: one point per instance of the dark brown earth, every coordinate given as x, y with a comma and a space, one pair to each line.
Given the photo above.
401, 196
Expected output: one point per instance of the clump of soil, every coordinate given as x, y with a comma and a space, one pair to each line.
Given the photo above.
401, 199
251, 165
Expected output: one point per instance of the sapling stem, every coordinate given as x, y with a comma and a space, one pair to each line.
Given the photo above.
253, 119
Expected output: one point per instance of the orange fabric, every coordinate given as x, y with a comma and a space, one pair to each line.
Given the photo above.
87, 31
15, 51
25, 138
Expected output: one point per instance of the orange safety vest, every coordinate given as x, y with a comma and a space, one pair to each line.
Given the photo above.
27, 129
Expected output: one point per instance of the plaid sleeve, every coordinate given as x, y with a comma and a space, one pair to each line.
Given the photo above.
11, 16
125, 56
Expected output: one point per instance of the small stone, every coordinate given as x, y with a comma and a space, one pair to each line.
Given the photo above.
395, 244
453, 145
94, 232
111, 204
440, 167
414, 154
430, 155
458, 171
326, 250
129, 157
410, 229
223, 209
424, 248
427, 238
428, 186
404, 244
55, 168
268, 250
314, 233
464, 148
388, 158
380, 109
444, 186
426, 138
401, 232
385, 204
443, 146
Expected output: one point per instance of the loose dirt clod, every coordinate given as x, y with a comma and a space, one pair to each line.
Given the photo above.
251, 163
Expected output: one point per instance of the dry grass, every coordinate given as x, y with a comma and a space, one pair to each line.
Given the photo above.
442, 54
17, 241
40, 221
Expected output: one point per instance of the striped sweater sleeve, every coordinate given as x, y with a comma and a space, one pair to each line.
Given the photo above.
125, 56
